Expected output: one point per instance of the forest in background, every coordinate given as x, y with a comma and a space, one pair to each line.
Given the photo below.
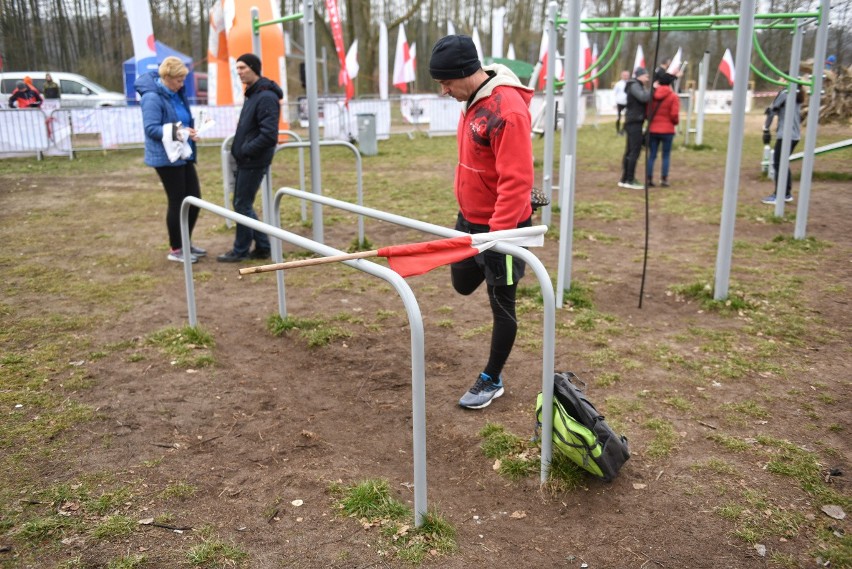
91, 37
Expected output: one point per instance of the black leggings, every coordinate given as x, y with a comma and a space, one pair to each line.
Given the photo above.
179, 182
505, 324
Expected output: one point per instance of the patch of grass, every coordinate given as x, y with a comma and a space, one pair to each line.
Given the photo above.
216, 553
188, 346
113, 527
316, 332
371, 502
603, 210
729, 442
608, 378
804, 467
702, 292
787, 245
750, 409
180, 490
108, 501
678, 402
664, 440
39, 530
498, 443
837, 550
715, 466
578, 296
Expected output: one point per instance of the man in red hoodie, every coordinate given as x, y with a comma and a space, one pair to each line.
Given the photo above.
493, 181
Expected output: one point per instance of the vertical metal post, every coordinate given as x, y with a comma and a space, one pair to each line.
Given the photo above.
690, 106
732, 166
549, 113
789, 111
702, 94
309, 20
569, 146
255, 33
813, 122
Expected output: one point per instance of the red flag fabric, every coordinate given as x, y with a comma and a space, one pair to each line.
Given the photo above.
414, 259
343, 78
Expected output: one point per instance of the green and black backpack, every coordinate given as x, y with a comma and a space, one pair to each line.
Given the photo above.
580, 432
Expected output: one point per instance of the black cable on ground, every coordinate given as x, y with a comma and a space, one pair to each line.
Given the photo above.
646, 141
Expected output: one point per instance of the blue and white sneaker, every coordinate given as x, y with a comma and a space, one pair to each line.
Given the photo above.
483, 392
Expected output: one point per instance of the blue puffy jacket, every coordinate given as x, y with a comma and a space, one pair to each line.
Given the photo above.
157, 110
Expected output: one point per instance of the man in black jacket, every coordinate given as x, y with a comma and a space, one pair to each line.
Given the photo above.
634, 117
253, 149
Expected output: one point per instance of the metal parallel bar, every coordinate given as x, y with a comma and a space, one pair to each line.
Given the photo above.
358, 165
766, 77
609, 63
549, 306
697, 18
415, 321
772, 66
256, 24
313, 112
734, 156
549, 112
813, 124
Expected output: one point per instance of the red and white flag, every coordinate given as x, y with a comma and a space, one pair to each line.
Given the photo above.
418, 258
676, 63
343, 78
639, 60
414, 259
403, 70
586, 59
726, 66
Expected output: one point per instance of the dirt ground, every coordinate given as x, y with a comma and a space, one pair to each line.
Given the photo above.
276, 421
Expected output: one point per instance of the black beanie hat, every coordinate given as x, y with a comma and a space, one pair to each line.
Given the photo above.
252, 61
454, 57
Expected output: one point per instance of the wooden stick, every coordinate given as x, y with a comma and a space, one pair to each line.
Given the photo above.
308, 262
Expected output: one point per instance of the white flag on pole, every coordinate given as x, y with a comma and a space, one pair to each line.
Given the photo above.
497, 32
477, 43
639, 61
352, 60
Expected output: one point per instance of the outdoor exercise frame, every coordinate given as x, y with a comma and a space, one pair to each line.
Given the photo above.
745, 27
418, 373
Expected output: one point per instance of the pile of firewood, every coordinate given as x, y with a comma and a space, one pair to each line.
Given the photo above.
836, 100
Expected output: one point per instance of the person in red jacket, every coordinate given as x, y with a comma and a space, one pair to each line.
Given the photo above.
493, 181
664, 113
23, 97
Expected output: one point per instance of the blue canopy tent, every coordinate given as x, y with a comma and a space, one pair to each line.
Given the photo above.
163, 51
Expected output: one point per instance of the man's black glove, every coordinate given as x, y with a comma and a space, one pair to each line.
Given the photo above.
767, 138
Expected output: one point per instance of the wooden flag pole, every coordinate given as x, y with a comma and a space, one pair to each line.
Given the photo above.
308, 262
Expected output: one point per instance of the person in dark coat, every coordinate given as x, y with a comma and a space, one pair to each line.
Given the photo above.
253, 149
634, 117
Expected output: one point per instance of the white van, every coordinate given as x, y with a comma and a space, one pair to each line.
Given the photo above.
75, 90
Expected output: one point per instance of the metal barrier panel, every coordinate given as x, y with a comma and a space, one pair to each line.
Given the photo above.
121, 126
341, 124
443, 115
23, 131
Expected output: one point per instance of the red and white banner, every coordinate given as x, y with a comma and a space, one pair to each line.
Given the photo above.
726, 66
343, 78
403, 70
639, 60
586, 59
418, 258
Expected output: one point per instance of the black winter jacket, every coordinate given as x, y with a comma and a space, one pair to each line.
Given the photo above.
637, 102
257, 129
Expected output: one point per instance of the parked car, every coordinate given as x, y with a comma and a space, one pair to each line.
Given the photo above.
75, 90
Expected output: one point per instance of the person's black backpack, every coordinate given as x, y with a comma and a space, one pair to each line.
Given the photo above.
580, 432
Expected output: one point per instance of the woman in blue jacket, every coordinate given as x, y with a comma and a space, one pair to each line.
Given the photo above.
165, 110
